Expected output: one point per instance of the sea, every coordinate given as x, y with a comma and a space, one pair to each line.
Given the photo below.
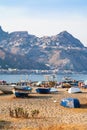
14, 78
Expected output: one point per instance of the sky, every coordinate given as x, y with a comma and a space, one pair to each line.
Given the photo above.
45, 17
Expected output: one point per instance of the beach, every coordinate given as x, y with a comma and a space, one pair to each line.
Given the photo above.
52, 116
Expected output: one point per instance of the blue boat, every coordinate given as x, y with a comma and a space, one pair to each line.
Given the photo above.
22, 92
70, 103
43, 90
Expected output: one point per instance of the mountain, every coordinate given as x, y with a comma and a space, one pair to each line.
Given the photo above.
25, 51
9, 60
3, 35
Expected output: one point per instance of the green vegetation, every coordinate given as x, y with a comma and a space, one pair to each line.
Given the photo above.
34, 113
22, 113
18, 113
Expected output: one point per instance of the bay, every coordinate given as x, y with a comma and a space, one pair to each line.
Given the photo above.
13, 78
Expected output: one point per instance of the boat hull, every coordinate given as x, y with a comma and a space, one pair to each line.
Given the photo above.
6, 89
43, 90
22, 92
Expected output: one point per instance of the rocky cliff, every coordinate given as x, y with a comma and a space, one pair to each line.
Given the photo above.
25, 51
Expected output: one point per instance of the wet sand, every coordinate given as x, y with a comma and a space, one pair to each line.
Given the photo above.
51, 116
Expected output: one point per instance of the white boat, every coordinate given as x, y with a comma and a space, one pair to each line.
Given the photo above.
7, 89
53, 90
74, 90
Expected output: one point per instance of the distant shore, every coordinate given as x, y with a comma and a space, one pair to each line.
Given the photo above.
27, 71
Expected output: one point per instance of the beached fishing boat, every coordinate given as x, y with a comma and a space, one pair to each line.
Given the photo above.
21, 92
70, 102
53, 90
74, 90
43, 90
6, 89
69, 82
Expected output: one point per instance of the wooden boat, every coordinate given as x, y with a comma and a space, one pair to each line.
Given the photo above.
43, 90
21, 92
69, 82
6, 89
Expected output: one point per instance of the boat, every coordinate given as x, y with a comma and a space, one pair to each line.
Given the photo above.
22, 92
69, 82
53, 90
6, 89
70, 102
43, 90
74, 90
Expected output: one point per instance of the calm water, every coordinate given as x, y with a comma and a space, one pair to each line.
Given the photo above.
16, 78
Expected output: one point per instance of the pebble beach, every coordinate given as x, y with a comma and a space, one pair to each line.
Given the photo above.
52, 116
